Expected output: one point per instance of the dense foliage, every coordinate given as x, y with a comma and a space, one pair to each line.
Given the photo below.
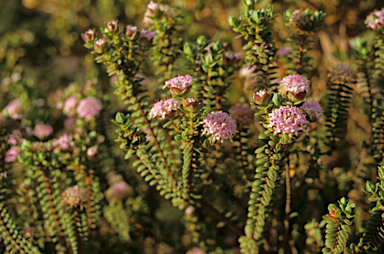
191, 130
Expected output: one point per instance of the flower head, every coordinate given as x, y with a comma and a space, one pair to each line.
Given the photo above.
147, 34
92, 151
179, 85
375, 20
12, 154
219, 125
64, 142
119, 191
312, 109
74, 197
88, 108
243, 115
70, 105
163, 108
15, 138
298, 19
13, 108
43, 131
342, 74
287, 120
295, 84
284, 51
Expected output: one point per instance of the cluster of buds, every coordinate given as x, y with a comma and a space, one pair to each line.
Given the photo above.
151, 12
342, 74
74, 197
298, 19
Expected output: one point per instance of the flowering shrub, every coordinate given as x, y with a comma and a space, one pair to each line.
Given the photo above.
255, 148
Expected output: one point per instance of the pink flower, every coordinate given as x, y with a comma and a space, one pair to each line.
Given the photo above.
247, 71
15, 138
375, 20
179, 85
196, 250
43, 131
151, 9
88, 108
168, 10
70, 105
12, 154
232, 55
163, 108
64, 143
147, 34
70, 124
295, 84
287, 120
92, 151
220, 126
119, 191
312, 109
243, 115
284, 51
14, 108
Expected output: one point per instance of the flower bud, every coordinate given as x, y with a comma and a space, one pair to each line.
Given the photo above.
297, 97
92, 151
119, 191
130, 30
191, 104
112, 25
261, 97
99, 44
89, 35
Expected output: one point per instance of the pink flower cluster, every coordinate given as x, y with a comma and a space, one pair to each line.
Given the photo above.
70, 105
375, 20
12, 154
15, 138
14, 108
219, 125
163, 108
64, 143
42, 131
243, 115
147, 34
295, 84
312, 109
88, 108
287, 120
179, 85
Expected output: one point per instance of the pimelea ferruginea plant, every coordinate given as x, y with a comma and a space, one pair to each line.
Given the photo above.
249, 176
